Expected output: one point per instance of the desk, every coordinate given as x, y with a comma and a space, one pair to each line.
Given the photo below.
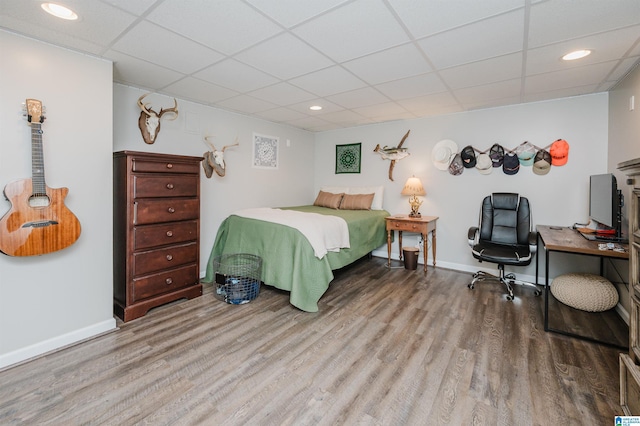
568, 240
421, 225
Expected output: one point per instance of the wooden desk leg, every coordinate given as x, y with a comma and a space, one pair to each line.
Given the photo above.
433, 245
400, 243
424, 251
389, 233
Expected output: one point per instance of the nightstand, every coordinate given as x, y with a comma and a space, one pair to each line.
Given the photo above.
420, 225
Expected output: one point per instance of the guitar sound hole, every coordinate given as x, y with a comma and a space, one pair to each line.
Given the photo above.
40, 200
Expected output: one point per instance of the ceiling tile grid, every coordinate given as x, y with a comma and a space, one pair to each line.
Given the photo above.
364, 61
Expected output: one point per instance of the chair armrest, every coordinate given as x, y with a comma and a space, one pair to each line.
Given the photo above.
533, 242
472, 235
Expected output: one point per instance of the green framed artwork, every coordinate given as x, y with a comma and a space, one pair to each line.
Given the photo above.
348, 158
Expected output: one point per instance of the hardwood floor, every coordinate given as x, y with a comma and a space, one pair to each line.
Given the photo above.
388, 347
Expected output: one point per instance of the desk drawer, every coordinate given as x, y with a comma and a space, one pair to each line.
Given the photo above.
159, 235
164, 282
407, 226
165, 186
164, 166
170, 257
166, 210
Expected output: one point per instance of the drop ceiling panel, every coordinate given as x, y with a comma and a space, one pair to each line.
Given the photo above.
227, 26
292, 12
388, 59
492, 37
199, 91
554, 21
134, 71
609, 46
413, 86
246, 104
236, 76
281, 56
359, 98
328, 81
353, 30
428, 17
282, 94
505, 67
154, 44
390, 64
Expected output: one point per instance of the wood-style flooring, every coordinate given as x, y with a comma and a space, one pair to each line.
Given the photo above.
388, 347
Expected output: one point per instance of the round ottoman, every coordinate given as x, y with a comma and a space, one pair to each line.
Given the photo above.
588, 292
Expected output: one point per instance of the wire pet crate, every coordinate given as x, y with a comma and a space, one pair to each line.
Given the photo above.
237, 277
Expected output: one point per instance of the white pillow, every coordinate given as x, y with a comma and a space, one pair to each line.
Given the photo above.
378, 192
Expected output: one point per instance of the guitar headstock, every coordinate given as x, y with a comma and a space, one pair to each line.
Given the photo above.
34, 111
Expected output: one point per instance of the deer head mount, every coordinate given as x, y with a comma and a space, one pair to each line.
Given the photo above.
214, 159
149, 121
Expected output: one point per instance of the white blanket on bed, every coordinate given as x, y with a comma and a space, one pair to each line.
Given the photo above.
324, 233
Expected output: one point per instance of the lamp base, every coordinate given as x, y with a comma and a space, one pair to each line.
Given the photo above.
415, 214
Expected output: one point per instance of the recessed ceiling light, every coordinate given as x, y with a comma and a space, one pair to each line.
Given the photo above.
576, 54
315, 108
59, 11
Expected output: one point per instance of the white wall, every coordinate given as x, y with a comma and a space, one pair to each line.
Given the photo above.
242, 186
558, 198
56, 299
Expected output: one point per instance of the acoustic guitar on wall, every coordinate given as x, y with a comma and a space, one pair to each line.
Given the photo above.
38, 221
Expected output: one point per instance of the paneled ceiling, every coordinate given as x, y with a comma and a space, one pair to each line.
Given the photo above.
363, 61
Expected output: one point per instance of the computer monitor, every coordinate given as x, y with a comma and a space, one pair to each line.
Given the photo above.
605, 202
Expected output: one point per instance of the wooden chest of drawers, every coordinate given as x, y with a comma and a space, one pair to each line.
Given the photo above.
630, 363
156, 232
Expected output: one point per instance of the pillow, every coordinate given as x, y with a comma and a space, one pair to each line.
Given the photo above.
327, 199
377, 191
356, 202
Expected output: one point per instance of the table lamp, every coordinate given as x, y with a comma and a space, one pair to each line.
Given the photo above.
413, 187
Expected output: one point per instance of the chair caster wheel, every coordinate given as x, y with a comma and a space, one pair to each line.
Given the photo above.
537, 293
509, 297
470, 286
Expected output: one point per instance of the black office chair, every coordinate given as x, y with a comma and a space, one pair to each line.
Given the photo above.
504, 236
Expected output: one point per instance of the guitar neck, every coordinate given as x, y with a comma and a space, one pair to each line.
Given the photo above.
37, 160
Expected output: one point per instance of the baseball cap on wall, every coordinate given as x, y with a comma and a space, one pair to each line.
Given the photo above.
542, 162
484, 164
526, 151
468, 156
456, 168
496, 153
510, 164
559, 152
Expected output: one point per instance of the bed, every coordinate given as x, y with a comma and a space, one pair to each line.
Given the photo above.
289, 260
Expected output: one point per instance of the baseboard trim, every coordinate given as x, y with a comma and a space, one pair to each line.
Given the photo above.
19, 356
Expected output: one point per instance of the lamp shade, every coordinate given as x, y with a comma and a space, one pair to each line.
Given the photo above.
413, 187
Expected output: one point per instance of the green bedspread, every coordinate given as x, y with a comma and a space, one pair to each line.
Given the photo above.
288, 260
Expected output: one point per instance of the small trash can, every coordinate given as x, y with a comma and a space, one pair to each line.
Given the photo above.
410, 255
238, 277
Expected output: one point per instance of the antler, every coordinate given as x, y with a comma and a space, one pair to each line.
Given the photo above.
236, 142
172, 110
142, 106
208, 142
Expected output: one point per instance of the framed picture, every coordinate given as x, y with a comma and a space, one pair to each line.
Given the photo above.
348, 158
265, 151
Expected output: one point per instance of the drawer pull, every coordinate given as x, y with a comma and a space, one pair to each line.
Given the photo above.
171, 210
169, 186
169, 233
169, 281
169, 257
169, 166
